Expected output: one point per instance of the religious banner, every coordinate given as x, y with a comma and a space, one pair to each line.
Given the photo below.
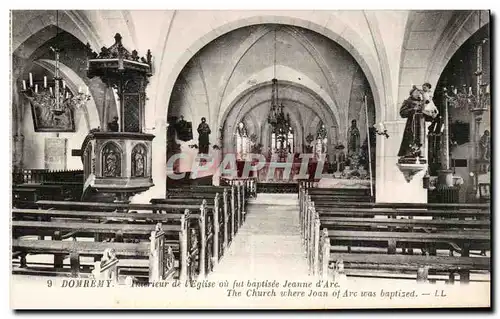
55, 153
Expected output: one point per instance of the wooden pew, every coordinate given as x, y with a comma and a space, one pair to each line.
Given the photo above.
197, 220
346, 224
450, 264
235, 205
229, 195
215, 213
159, 249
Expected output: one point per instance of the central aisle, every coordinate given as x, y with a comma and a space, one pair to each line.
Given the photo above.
268, 245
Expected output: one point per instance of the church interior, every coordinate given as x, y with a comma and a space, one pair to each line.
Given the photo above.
356, 144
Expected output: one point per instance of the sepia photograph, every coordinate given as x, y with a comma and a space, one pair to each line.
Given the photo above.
250, 159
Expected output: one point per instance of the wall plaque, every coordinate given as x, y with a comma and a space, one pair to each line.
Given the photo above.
55, 153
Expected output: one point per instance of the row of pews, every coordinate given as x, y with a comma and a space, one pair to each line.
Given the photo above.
31, 185
182, 236
361, 238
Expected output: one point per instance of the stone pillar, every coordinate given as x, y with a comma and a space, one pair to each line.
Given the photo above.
158, 165
391, 185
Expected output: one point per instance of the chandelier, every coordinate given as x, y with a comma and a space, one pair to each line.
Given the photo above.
277, 118
56, 96
465, 99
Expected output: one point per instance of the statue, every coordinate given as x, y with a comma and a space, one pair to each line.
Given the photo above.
203, 136
111, 161
138, 158
113, 126
429, 108
484, 146
353, 136
412, 109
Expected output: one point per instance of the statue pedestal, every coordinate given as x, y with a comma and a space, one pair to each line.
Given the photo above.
391, 184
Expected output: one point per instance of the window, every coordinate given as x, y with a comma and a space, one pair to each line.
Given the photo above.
242, 142
320, 146
282, 141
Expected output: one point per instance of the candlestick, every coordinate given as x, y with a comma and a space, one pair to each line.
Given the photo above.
488, 88
24, 85
36, 88
87, 90
31, 79
470, 90
50, 89
45, 81
455, 91
64, 85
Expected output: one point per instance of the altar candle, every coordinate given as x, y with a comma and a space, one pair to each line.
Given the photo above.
470, 90
87, 90
455, 91
64, 85
488, 88
67, 94
36, 88
45, 81
24, 85
50, 88
31, 79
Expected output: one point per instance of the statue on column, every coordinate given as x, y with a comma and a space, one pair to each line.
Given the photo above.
203, 136
354, 139
484, 146
413, 110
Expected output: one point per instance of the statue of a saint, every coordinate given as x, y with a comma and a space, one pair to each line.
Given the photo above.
111, 163
354, 137
113, 126
414, 130
484, 146
203, 136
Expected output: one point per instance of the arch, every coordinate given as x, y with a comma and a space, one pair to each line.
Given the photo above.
294, 114
111, 160
31, 23
138, 160
74, 81
448, 45
434, 51
253, 38
288, 76
355, 46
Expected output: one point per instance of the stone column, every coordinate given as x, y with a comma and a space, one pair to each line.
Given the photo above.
391, 185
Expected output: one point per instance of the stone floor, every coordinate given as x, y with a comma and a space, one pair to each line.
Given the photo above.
268, 245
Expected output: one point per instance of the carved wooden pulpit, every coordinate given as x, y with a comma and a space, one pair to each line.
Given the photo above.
119, 163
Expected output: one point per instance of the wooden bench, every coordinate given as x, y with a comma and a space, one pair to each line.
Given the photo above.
216, 212
354, 224
200, 224
236, 204
452, 264
159, 249
59, 191
197, 221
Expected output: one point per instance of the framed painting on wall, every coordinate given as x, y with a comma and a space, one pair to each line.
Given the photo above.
44, 120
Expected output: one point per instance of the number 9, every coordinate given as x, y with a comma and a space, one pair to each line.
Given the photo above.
49, 283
